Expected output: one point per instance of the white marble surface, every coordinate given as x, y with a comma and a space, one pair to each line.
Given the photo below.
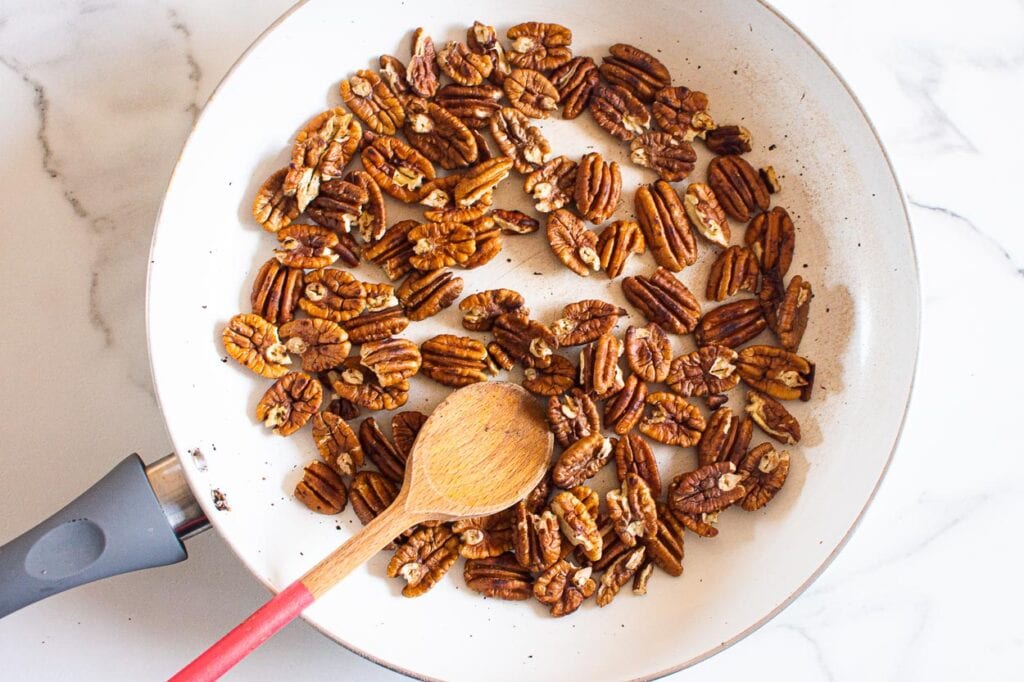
97, 98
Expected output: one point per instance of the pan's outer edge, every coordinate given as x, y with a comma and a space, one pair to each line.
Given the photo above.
899, 433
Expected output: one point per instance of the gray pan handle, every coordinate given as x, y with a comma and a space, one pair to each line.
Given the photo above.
134, 517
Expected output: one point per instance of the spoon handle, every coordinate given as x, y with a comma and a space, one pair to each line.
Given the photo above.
291, 601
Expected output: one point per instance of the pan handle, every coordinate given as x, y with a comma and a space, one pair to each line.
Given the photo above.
134, 517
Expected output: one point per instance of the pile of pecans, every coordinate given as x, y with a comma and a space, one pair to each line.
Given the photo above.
560, 545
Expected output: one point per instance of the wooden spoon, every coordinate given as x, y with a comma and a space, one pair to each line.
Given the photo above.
482, 450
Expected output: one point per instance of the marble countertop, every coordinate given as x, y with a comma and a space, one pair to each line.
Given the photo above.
98, 96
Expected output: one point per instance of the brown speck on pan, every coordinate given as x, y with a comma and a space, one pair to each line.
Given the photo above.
220, 500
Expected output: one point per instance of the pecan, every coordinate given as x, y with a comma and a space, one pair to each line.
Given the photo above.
379, 296
681, 111
499, 577
517, 139
254, 343
732, 324
666, 548
734, 270
337, 443
338, 205
581, 460
474, 106
666, 227
537, 500
353, 384
600, 374
392, 361
480, 310
725, 439
439, 195
577, 523
497, 359
622, 411
397, 168
584, 321
454, 360
462, 65
552, 185
648, 352
616, 243
481, 180
705, 213
439, 135
321, 489
272, 208
786, 312
321, 343
306, 246
514, 222
539, 46
405, 426
392, 70
739, 188
618, 574
642, 577
664, 300
529, 92
764, 472
536, 539
555, 379
701, 524
321, 151
725, 140
598, 186
619, 112
715, 400
564, 587
707, 370
276, 291
422, 75
483, 537
574, 81
376, 325
777, 372
483, 39
572, 242
632, 511
424, 559
707, 489
573, 416
373, 102
671, 157
340, 407
611, 547
382, 451
393, 250
632, 68
424, 294
770, 179
634, 456
439, 245
528, 341
771, 236
371, 493
348, 250
672, 421
773, 418
289, 403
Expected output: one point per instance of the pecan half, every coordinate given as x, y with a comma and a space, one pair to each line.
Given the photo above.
536, 539
528, 341
321, 489
392, 70
672, 421
552, 185
439, 135
666, 548
649, 352
666, 228
539, 46
517, 139
379, 296
707, 370
397, 168
353, 384
664, 300
777, 372
439, 194
454, 360
321, 343
632, 511
770, 179
321, 151
577, 523
422, 74
634, 456
483, 39
725, 439
773, 418
616, 243
671, 157
276, 291
474, 106
462, 65
584, 321
497, 359
564, 587
405, 426
529, 92
642, 577
772, 237
726, 140
732, 324
272, 208
622, 411
439, 245
483, 537
555, 379
371, 493
340, 407
786, 312
393, 250
382, 451
707, 489
253, 342
481, 180
514, 222
581, 461
618, 574
480, 310
734, 270
574, 81
681, 111
306, 246
392, 361
424, 559
572, 242
499, 577
619, 112
373, 102
632, 68
572, 416
289, 403
764, 472
338, 205
600, 374
598, 187
424, 294
701, 524
705, 213
337, 443
376, 325
738, 187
